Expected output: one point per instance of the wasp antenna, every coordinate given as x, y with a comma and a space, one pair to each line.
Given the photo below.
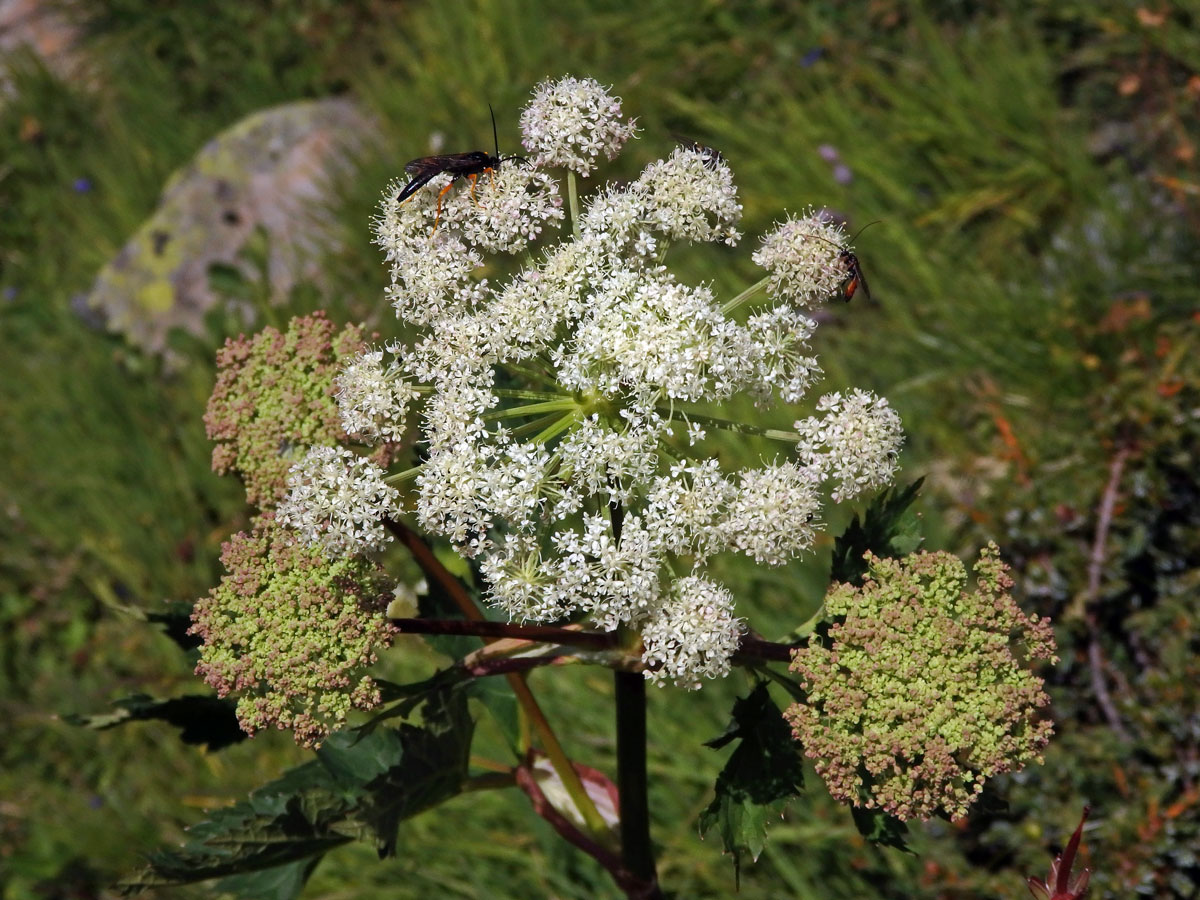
495, 135
861, 230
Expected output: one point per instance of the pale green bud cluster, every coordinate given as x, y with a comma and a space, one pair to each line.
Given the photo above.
922, 690
274, 399
290, 630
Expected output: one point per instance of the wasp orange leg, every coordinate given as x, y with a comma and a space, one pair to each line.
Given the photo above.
437, 215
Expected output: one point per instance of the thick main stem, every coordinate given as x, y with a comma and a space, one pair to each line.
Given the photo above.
636, 851
633, 788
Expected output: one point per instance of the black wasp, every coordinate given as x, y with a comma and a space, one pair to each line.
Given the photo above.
855, 278
459, 165
710, 156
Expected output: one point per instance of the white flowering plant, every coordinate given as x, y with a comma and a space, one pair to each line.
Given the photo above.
564, 430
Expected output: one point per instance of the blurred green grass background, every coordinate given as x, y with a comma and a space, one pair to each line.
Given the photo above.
1033, 167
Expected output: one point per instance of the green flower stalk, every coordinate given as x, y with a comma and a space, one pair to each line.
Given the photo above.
922, 690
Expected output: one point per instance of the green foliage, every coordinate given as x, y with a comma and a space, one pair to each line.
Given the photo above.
889, 528
201, 719
359, 787
880, 828
762, 774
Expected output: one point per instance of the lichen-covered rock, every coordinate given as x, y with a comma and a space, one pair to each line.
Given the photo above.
267, 172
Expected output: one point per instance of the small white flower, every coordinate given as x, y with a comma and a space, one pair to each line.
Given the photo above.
685, 510
856, 443
339, 500
647, 330
692, 635
804, 259
772, 517
452, 501
433, 277
373, 399
597, 459
519, 583
615, 583
570, 122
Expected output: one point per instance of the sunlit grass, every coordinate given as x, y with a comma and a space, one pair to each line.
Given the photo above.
1001, 235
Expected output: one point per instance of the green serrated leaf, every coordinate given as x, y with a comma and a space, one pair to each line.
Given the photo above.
889, 527
880, 828
175, 620
279, 883
361, 786
764, 771
202, 719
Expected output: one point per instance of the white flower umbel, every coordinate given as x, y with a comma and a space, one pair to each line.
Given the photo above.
570, 122
373, 398
614, 582
512, 206
648, 330
339, 500
573, 439
692, 635
804, 259
685, 509
784, 363
856, 443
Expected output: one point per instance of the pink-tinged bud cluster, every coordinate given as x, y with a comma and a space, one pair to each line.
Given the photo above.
923, 689
274, 398
291, 631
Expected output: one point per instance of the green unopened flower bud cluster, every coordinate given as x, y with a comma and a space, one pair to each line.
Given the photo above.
290, 630
274, 399
922, 690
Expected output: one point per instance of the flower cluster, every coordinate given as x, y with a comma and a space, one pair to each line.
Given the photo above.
373, 399
918, 696
570, 122
290, 630
274, 398
804, 257
564, 408
856, 442
338, 499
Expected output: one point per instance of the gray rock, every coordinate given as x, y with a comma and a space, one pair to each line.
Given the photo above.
269, 171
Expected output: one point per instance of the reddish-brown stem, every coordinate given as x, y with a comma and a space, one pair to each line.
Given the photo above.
751, 649
547, 634
635, 888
